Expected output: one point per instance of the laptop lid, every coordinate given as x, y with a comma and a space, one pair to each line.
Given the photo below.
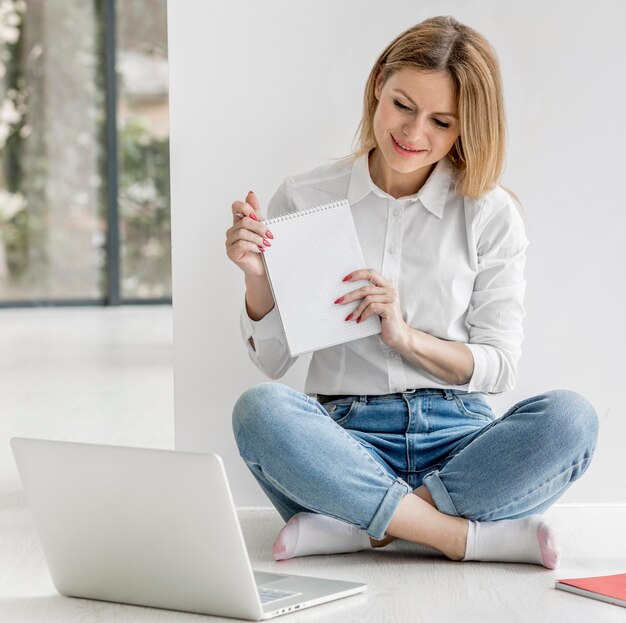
130, 525
149, 527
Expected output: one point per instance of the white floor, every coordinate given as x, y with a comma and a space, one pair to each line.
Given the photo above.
105, 375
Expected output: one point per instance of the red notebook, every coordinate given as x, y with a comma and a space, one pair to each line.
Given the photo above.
609, 588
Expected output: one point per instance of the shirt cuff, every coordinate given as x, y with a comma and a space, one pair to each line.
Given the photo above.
485, 365
269, 326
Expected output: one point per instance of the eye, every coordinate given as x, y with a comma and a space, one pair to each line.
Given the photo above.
400, 106
440, 124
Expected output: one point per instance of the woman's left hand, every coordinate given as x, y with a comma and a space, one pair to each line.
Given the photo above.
381, 298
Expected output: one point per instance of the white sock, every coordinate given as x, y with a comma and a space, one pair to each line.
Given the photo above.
530, 539
307, 534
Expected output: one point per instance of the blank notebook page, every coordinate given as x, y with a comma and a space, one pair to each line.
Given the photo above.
312, 251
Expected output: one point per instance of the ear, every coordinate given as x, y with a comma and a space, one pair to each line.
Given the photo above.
378, 85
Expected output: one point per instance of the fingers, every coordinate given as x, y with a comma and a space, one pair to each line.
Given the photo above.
248, 207
247, 232
384, 297
365, 293
240, 246
241, 209
368, 274
366, 309
366, 302
252, 199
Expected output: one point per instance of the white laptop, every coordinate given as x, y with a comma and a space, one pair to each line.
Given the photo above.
152, 528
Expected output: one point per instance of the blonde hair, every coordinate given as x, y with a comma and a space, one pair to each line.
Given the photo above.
444, 44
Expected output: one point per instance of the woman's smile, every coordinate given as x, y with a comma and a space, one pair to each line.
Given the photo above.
405, 152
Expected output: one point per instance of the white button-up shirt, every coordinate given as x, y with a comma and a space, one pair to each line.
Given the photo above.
457, 264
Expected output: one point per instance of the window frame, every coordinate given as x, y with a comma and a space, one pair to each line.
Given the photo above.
112, 297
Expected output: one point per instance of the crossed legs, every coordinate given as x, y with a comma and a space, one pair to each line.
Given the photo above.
559, 427
417, 519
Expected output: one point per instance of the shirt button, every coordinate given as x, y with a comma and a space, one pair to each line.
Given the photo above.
392, 354
396, 212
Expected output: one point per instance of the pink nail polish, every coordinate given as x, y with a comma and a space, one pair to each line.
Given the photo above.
349, 316
339, 299
347, 278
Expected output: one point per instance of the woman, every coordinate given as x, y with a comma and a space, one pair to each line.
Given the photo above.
405, 412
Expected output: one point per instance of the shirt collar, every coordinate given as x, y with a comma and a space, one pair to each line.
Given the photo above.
432, 194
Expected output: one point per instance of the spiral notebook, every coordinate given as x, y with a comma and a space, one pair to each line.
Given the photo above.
312, 251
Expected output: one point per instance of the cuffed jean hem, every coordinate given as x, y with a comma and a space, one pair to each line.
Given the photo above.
387, 508
439, 493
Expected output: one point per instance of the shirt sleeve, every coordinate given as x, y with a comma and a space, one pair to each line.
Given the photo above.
496, 307
265, 338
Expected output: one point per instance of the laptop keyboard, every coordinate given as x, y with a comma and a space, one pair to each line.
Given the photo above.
273, 594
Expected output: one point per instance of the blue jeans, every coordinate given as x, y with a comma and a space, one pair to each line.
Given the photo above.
356, 457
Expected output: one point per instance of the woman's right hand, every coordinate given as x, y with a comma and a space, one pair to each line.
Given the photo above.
248, 236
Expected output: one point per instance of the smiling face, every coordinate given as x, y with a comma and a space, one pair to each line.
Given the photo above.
410, 113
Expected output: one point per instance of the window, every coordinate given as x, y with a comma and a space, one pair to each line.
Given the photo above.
84, 153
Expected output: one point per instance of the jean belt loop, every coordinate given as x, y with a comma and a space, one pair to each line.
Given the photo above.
363, 399
448, 394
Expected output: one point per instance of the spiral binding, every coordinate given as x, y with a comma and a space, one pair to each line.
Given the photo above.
298, 213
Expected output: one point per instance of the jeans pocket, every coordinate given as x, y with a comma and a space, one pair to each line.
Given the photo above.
474, 407
341, 410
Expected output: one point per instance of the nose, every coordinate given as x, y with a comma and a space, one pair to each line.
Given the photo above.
415, 129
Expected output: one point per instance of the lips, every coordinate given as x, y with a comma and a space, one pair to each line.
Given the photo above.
403, 145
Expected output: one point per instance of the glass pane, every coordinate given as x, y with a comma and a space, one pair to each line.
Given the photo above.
51, 231
143, 134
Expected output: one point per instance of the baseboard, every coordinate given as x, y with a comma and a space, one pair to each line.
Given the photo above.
557, 505
591, 505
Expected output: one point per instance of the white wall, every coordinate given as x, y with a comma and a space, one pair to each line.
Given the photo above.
261, 90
